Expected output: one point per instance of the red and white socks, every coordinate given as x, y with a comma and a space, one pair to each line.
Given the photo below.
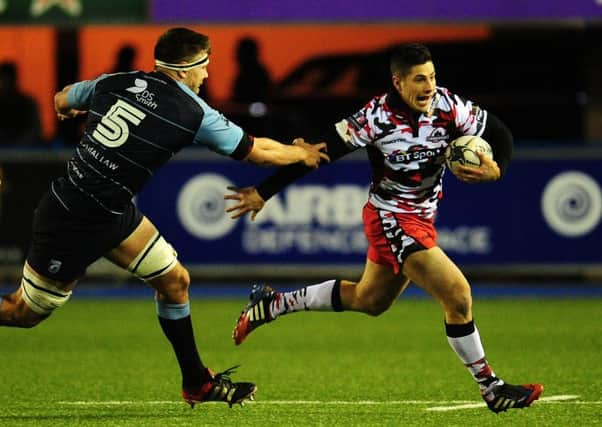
323, 296
465, 340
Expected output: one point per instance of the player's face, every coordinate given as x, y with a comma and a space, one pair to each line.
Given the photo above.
417, 88
196, 76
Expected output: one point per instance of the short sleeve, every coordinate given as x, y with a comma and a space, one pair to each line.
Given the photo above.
355, 130
217, 132
80, 94
470, 119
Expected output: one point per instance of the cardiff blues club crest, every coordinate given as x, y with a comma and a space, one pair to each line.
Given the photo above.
54, 266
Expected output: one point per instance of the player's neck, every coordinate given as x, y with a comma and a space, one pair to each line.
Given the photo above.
169, 73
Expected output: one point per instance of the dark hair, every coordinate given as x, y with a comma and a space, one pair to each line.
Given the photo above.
180, 44
406, 56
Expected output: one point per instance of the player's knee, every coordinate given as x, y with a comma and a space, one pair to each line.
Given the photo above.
173, 286
376, 306
181, 280
375, 310
28, 320
17, 313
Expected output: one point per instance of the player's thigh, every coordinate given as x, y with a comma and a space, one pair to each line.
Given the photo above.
134, 244
63, 244
435, 272
147, 255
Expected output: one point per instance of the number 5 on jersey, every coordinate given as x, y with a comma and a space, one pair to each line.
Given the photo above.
113, 129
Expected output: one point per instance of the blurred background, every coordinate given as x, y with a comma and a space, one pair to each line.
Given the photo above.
286, 69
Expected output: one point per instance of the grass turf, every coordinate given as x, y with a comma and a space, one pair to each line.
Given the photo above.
106, 363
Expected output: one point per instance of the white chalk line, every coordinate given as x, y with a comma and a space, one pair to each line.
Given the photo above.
548, 399
269, 402
442, 405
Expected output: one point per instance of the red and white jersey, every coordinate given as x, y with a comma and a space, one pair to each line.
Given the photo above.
407, 148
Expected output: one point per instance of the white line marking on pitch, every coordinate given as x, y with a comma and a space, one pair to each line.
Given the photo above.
482, 404
453, 405
271, 402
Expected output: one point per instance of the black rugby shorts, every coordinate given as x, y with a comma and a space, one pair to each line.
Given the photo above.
63, 245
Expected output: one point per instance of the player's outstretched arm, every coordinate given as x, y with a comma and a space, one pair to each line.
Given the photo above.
267, 151
291, 173
252, 199
61, 105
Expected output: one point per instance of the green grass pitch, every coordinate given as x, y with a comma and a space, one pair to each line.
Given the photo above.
106, 363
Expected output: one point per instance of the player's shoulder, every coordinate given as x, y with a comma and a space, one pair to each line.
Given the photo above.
112, 81
134, 81
381, 99
445, 95
112, 77
376, 101
447, 100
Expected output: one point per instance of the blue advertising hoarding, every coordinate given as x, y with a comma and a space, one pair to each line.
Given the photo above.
544, 212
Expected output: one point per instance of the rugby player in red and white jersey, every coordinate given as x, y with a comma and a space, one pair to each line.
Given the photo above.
405, 133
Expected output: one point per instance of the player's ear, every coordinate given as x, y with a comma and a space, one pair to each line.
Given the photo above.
396, 82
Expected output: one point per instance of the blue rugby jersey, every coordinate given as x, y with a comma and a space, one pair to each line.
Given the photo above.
136, 122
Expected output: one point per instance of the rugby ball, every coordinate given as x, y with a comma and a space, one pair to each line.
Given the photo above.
463, 151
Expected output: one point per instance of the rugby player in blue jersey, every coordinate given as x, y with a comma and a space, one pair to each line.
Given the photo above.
136, 122
405, 133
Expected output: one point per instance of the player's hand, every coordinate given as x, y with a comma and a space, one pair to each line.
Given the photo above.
69, 114
248, 200
488, 171
315, 153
